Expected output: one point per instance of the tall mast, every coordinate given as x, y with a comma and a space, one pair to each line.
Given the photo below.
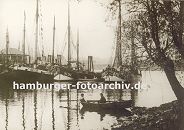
36, 37
54, 28
24, 39
43, 51
7, 45
19, 46
118, 54
120, 49
78, 50
69, 31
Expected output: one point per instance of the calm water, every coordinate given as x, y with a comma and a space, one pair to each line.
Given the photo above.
48, 109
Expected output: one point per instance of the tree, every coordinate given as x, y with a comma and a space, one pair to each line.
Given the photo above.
161, 33
160, 28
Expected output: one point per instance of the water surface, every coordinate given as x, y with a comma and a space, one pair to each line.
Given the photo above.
49, 109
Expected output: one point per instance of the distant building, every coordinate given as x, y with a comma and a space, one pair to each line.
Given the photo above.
14, 56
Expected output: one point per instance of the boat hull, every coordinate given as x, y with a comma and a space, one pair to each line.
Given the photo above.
107, 106
25, 76
114, 108
63, 78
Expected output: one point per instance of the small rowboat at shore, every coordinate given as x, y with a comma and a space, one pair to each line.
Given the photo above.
109, 105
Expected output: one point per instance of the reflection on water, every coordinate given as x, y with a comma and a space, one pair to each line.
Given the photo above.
35, 110
6, 104
61, 110
23, 113
53, 116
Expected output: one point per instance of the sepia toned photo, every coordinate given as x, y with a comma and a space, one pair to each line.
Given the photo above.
91, 65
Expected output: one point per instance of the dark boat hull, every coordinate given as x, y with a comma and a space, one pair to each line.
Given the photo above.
106, 106
25, 76
114, 108
79, 75
112, 112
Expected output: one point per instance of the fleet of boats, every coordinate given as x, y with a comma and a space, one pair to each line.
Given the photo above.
32, 72
72, 71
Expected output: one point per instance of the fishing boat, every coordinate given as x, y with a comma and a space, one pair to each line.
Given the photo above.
109, 105
122, 69
74, 69
24, 72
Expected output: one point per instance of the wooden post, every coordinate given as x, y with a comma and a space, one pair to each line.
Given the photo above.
90, 64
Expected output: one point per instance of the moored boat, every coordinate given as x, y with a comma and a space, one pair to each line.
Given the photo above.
26, 74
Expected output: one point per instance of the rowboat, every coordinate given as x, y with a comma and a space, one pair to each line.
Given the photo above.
110, 105
112, 108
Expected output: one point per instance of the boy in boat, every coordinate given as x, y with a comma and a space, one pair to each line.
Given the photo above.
102, 98
82, 98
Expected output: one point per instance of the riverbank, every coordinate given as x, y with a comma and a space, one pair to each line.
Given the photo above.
169, 116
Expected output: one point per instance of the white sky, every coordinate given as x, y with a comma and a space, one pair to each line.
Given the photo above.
96, 38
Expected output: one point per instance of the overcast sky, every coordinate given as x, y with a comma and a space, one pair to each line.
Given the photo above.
96, 37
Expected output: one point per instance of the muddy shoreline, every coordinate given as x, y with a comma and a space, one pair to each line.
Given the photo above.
169, 116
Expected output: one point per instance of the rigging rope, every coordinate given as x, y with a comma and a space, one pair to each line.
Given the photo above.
72, 43
62, 53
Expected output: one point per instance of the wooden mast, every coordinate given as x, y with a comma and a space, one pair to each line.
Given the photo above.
7, 45
69, 31
36, 37
54, 28
78, 50
24, 39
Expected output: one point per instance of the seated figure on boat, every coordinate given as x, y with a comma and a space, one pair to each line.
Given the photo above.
82, 98
102, 99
